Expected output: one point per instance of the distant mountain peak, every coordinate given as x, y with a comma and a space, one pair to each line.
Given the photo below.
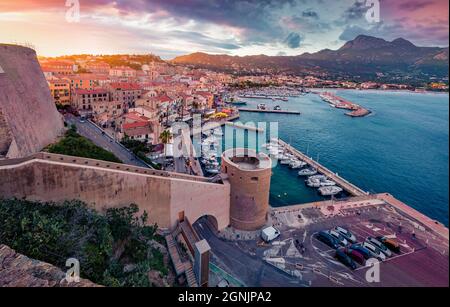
362, 42
403, 42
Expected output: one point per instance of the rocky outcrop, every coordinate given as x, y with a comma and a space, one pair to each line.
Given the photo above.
29, 120
17, 270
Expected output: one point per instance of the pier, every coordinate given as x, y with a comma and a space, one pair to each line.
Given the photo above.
245, 127
269, 111
347, 186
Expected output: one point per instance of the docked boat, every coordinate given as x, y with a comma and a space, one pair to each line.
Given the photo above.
286, 161
296, 164
307, 172
329, 191
261, 106
313, 183
218, 132
327, 183
212, 169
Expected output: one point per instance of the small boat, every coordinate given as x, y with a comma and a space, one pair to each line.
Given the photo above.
313, 183
218, 132
318, 177
329, 191
261, 106
286, 161
277, 108
327, 183
296, 164
307, 172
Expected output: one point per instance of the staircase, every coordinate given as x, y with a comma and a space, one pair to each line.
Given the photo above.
174, 255
190, 276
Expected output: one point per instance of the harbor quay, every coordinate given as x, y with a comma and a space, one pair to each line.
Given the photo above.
347, 186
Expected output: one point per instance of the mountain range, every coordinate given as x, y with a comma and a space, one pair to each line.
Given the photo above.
364, 58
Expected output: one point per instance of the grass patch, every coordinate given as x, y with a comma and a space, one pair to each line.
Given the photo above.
75, 145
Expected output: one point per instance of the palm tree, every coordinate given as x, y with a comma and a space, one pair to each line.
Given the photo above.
165, 137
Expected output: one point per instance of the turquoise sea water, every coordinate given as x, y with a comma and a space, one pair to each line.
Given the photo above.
402, 148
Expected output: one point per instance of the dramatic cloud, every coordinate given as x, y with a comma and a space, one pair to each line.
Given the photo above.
293, 40
414, 5
240, 27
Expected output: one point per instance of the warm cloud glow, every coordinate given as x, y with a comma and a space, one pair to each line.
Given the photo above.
174, 27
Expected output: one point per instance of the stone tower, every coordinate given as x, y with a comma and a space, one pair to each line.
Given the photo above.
249, 175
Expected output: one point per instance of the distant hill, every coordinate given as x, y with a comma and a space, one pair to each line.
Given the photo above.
365, 57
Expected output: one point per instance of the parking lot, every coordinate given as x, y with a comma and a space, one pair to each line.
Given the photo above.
422, 260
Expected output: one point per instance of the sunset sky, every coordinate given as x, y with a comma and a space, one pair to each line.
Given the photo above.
238, 27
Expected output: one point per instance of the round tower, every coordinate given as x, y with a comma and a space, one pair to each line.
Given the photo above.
249, 175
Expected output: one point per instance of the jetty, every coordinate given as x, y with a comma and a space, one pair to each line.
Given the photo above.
344, 184
269, 111
245, 127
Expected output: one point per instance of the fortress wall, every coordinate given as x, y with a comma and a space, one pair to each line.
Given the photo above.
162, 197
203, 200
26, 103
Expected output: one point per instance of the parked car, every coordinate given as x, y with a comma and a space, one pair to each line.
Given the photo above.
327, 239
340, 238
390, 243
355, 255
380, 246
344, 259
346, 234
375, 251
362, 250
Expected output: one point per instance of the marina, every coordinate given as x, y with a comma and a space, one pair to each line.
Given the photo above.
316, 167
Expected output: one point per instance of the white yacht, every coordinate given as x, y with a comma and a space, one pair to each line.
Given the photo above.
327, 183
218, 132
296, 164
286, 161
313, 183
329, 191
307, 172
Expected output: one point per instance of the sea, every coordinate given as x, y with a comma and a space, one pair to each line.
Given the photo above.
401, 148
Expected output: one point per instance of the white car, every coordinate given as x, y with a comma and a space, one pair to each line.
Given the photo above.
374, 251
340, 238
380, 246
346, 234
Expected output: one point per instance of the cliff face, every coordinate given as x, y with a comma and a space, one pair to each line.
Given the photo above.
29, 120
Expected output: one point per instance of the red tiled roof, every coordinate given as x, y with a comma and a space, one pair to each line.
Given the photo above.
134, 125
125, 86
137, 117
164, 98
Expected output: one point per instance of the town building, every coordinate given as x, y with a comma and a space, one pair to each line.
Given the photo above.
60, 90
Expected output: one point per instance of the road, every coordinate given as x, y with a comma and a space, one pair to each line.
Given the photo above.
91, 132
251, 270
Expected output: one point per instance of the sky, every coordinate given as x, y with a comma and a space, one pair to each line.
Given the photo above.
170, 28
